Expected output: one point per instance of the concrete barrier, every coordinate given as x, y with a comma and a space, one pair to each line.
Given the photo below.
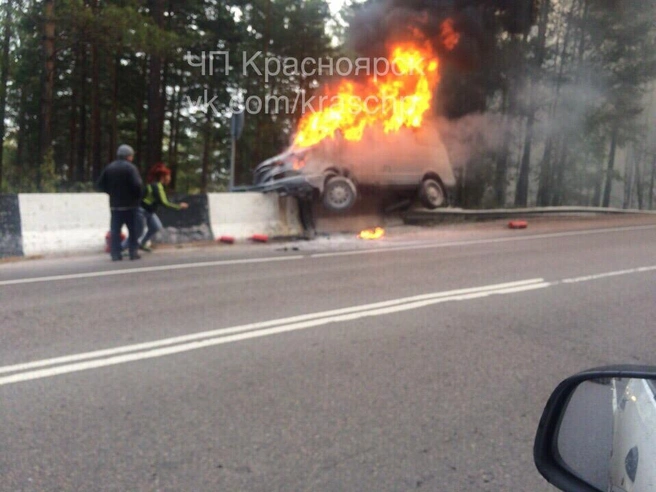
185, 226
243, 214
11, 240
63, 222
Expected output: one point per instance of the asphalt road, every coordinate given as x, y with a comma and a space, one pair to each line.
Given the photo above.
331, 365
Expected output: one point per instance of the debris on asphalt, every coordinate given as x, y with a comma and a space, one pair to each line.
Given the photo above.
259, 238
517, 224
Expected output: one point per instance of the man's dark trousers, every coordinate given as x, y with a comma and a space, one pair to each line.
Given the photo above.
129, 218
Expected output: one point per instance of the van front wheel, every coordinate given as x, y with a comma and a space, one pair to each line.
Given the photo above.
339, 194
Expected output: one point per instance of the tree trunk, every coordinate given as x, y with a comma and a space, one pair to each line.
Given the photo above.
596, 199
544, 188
22, 131
47, 85
548, 191
651, 184
611, 167
174, 158
174, 126
639, 187
72, 122
96, 131
155, 99
139, 116
628, 180
113, 134
206, 152
80, 172
521, 192
501, 174
4, 77
558, 195
161, 117
153, 138
259, 118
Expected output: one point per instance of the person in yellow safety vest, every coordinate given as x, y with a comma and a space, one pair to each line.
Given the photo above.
158, 177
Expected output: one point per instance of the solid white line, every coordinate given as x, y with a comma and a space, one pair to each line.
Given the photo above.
473, 242
599, 276
255, 326
94, 364
382, 249
161, 268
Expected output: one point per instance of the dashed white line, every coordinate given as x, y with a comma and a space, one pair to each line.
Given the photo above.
600, 276
161, 268
473, 242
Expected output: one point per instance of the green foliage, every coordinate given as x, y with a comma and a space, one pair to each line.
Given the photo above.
586, 70
49, 178
123, 36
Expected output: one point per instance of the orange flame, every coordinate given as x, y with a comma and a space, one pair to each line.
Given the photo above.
369, 234
397, 99
449, 36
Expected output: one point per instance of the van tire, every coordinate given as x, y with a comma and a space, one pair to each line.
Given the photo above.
339, 193
432, 194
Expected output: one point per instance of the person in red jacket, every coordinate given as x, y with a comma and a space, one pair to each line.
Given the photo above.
158, 177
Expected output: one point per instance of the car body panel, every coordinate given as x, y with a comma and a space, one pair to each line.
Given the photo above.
634, 436
399, 160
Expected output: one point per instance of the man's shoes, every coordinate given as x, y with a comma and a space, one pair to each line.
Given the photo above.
117, 258
147, 249
135, 257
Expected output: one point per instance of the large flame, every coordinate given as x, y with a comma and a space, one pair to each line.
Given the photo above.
399, 98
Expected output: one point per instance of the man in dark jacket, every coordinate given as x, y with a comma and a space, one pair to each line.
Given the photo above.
122, 182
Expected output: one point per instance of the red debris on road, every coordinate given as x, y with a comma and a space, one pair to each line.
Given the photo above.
517, 224
260, 238
227, 240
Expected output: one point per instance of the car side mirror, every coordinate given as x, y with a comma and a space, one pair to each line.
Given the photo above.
598, 432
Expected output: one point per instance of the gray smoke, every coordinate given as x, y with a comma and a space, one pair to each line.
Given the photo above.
395, 20
463, 87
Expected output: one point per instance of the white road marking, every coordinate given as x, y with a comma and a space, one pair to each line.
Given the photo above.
160, 352
160, 348
474, 242
257, 326
161, 268
588, 278
381, 249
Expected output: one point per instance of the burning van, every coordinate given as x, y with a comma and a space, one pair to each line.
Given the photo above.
410, 162
376, 133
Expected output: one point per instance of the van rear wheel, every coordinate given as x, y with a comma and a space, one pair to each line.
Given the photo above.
432, 194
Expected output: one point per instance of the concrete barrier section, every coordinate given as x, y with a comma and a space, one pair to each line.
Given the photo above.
57, 223
67, 223
241, 215
185, 226
11, 241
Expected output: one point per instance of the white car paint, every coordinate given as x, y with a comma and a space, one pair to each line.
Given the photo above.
634, 427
